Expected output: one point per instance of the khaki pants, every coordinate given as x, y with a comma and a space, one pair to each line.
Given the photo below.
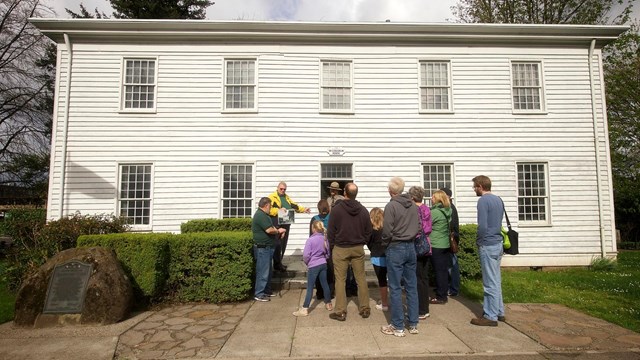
342, 257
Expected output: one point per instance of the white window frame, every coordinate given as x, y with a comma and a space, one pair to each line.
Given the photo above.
125, 84
149, 199
447, 180
521, 197
424, 86
249, 84
249, 200
539, 87
325, 87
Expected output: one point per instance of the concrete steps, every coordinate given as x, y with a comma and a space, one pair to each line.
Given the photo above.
296, 275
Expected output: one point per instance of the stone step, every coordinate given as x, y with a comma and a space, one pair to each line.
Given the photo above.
296, 275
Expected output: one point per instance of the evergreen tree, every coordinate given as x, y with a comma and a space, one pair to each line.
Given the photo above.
160, 9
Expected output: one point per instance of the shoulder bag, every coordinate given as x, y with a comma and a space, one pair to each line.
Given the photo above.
510, 236
422, 244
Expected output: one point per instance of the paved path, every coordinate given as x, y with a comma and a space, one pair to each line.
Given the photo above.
251, 330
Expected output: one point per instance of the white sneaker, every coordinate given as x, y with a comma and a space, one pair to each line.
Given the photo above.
413, 330
424, 317
391, 330
382, 307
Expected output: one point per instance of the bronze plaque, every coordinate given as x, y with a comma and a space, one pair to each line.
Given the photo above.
67, 288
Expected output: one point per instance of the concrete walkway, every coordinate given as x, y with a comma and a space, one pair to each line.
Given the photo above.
251, 330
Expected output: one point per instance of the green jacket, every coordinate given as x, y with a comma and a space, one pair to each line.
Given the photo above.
440, 218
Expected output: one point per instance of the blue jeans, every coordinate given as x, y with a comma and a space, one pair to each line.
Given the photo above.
264, 270
490, 257
454, 274
401, 268
313, 273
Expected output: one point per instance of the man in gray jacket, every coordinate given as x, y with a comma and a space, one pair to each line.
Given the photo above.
400, 227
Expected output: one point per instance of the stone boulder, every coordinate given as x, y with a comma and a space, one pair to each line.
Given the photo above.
108, 298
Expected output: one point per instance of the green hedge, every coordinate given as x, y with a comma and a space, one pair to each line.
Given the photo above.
468, 254
210, 225
144, 257
215, 267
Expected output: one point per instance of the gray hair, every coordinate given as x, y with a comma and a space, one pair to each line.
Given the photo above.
416, 193
396, 185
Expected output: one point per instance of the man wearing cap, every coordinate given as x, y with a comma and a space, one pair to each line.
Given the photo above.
454, 269
334, 193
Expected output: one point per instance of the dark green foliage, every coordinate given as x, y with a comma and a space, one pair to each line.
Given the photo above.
208, 225
628, 245
23, 223
160, 9
34, 241
144, 258
468, 254
214, 267
622, 80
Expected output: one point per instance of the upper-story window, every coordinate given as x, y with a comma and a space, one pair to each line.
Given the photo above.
240, 84
533, 193
139, 84
336, 90
435, 86
526, 86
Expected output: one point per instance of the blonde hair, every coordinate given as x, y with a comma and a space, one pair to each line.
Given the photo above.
317, 227
377, 218
440, 196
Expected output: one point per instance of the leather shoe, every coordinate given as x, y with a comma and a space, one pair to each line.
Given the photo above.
501, 318
338, 316
365, 313
280, 268
483, 321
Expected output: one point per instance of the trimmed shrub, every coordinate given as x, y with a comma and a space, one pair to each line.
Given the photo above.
468, 257
215, 267
144, 258
210, 225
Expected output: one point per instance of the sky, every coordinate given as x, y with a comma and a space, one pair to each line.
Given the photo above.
302, 10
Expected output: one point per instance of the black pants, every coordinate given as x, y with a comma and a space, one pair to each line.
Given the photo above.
281, 246
422, 275
441, 258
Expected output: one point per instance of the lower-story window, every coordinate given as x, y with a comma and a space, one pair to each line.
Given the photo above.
135, 193
237, 193
533, 193
436, 177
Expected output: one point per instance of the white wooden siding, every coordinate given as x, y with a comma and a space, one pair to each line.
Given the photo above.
188, 137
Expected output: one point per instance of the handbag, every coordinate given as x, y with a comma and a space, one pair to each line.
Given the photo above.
453, 244
422, 243
510, 239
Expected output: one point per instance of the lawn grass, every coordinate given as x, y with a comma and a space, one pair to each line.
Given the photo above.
612, 295
7, 299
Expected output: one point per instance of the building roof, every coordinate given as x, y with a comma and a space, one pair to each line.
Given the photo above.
118, 30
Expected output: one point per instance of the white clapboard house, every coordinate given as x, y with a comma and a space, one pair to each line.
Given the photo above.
167, 121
